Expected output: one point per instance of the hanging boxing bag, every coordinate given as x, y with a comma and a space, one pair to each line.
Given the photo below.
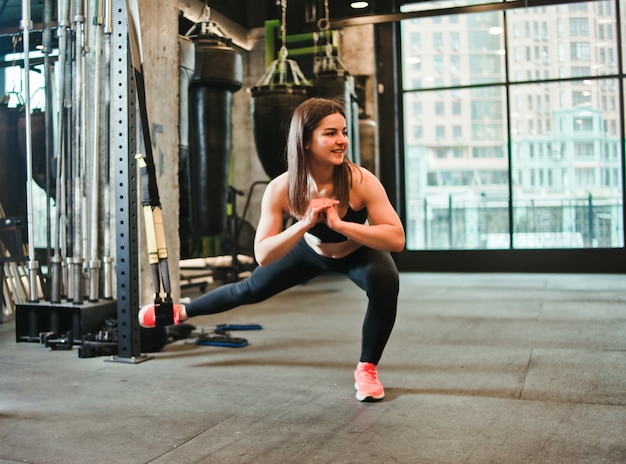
12, 165
368, 147
218, 73
272, 107
38, 130
12, 179
332, 84
337, 84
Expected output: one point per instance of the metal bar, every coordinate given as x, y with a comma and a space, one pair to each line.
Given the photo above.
107, 260
340, 23
94, 190
123, 127
78, 153
47, 49
33, 265
621, 100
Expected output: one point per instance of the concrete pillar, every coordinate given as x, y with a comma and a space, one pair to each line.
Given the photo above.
159, 26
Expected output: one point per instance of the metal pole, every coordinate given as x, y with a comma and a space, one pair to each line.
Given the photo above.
84, 185
107, 260
125, 181
94, 262
591, 225
450, 224
33, 265
78, 155
60, 286
56, 273
47, 49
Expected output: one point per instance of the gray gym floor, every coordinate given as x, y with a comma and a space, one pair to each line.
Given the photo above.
481, 368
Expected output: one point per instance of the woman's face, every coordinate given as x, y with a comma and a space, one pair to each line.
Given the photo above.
329, 140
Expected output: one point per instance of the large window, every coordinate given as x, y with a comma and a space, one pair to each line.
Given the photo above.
517, 142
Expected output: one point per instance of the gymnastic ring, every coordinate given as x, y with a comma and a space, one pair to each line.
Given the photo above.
323, 24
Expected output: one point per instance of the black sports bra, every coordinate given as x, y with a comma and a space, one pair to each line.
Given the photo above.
327, 235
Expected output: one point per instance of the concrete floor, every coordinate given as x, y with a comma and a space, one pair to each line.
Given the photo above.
481, 368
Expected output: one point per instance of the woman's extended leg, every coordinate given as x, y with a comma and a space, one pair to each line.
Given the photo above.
298, 266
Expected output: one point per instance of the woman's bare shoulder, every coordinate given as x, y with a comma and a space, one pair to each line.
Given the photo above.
363, 181
276, 191
278, 184
363, 178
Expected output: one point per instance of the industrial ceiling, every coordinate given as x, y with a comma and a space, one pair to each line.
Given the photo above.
301, 15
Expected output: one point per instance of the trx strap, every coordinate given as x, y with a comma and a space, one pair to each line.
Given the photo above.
150, 202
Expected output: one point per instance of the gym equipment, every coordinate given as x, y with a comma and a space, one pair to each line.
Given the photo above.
216, 336
150, 201
33, 264
221, 340
78, 138
107, 260
49, 178
274, 98
221, 335
12, 289
220, 328
179, 331
38, 134
218, 74
32, 319
77, 180
332, 80
12, 165
272, 107
60, 285
94, 263
104, 342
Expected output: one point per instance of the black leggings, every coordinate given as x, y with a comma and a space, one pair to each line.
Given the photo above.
372, 270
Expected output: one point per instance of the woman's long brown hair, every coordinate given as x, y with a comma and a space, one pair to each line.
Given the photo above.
305, 119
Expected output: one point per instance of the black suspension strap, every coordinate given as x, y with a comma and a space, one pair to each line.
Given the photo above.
150, 201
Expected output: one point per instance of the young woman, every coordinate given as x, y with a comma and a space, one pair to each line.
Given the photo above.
344, 222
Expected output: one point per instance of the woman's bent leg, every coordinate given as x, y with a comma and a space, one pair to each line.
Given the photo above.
376, 273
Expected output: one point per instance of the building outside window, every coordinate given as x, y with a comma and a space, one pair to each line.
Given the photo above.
529, 138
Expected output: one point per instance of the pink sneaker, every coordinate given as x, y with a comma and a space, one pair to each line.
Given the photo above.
147, 318
366, 383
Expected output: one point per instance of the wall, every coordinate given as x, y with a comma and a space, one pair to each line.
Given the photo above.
247, 168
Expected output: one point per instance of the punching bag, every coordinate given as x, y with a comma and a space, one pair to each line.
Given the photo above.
12, 165
337, 83
332, 84
218, 74
38, 130
272, 107
12, 179
368, 147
